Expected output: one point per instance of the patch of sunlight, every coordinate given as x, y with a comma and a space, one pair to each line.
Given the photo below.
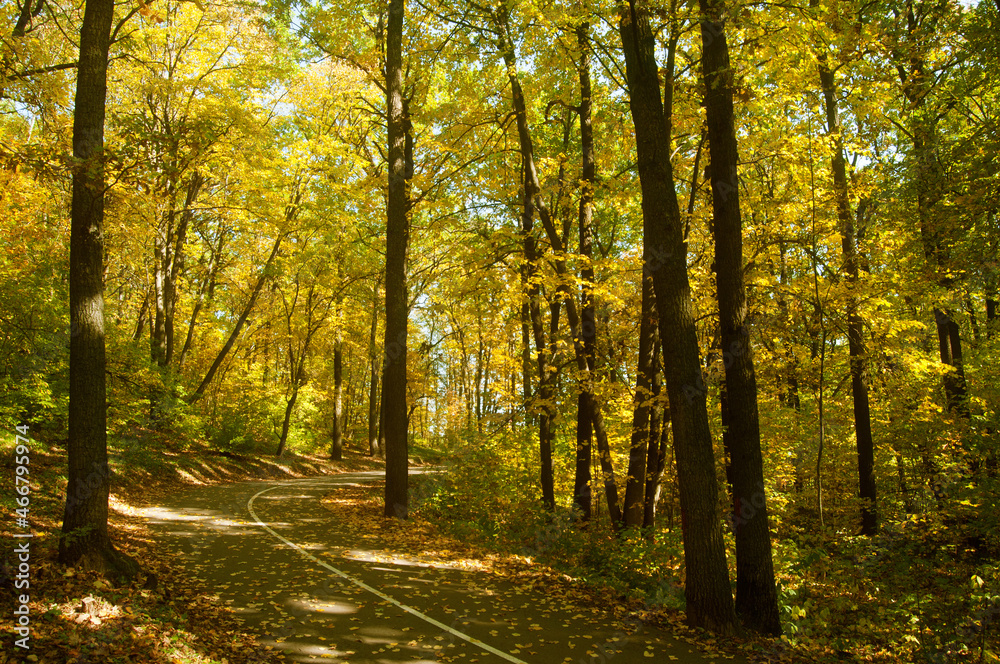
189, 477
121, 507
393, 559
317, 606
170, 515
307, 649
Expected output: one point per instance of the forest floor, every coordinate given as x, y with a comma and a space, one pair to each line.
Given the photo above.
163, 616
331, 582
169, 615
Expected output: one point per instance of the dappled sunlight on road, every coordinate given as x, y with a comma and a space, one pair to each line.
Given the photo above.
292, 571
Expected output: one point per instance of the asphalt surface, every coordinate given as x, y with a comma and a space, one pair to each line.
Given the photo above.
275, 556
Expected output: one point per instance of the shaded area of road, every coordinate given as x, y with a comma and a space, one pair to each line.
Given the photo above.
286, 570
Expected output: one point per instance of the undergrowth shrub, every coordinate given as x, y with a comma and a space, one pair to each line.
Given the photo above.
490, 494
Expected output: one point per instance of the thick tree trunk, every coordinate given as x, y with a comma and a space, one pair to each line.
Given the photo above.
709, 599
756, 596
855, 324
84, 540
582, 492
397, 241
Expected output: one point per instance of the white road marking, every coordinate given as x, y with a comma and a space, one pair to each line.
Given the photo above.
378, 593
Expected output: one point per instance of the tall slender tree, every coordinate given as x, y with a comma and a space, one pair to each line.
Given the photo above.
855, 324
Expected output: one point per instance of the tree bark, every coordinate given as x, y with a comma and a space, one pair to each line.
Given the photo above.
635, 481
337, 444
397, 241
167, 266
207, 292
707, 589
855, 324
582, 492
756, 596
529, 190
84, 541
373, 409
656, 448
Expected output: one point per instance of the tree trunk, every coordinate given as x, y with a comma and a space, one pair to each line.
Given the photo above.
380, 435
397, 241
582, 492
531, 257
168, 262
707, 589
84, 540
337, 444
991, 315
140, 323
287, 421
373, 409
936, 232
656, 448
549, 395
635, 481
525, 349
855, 324
756, 596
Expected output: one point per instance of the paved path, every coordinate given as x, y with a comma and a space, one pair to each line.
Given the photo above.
273, 554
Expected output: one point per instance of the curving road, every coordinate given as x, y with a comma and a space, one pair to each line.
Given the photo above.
274, 555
